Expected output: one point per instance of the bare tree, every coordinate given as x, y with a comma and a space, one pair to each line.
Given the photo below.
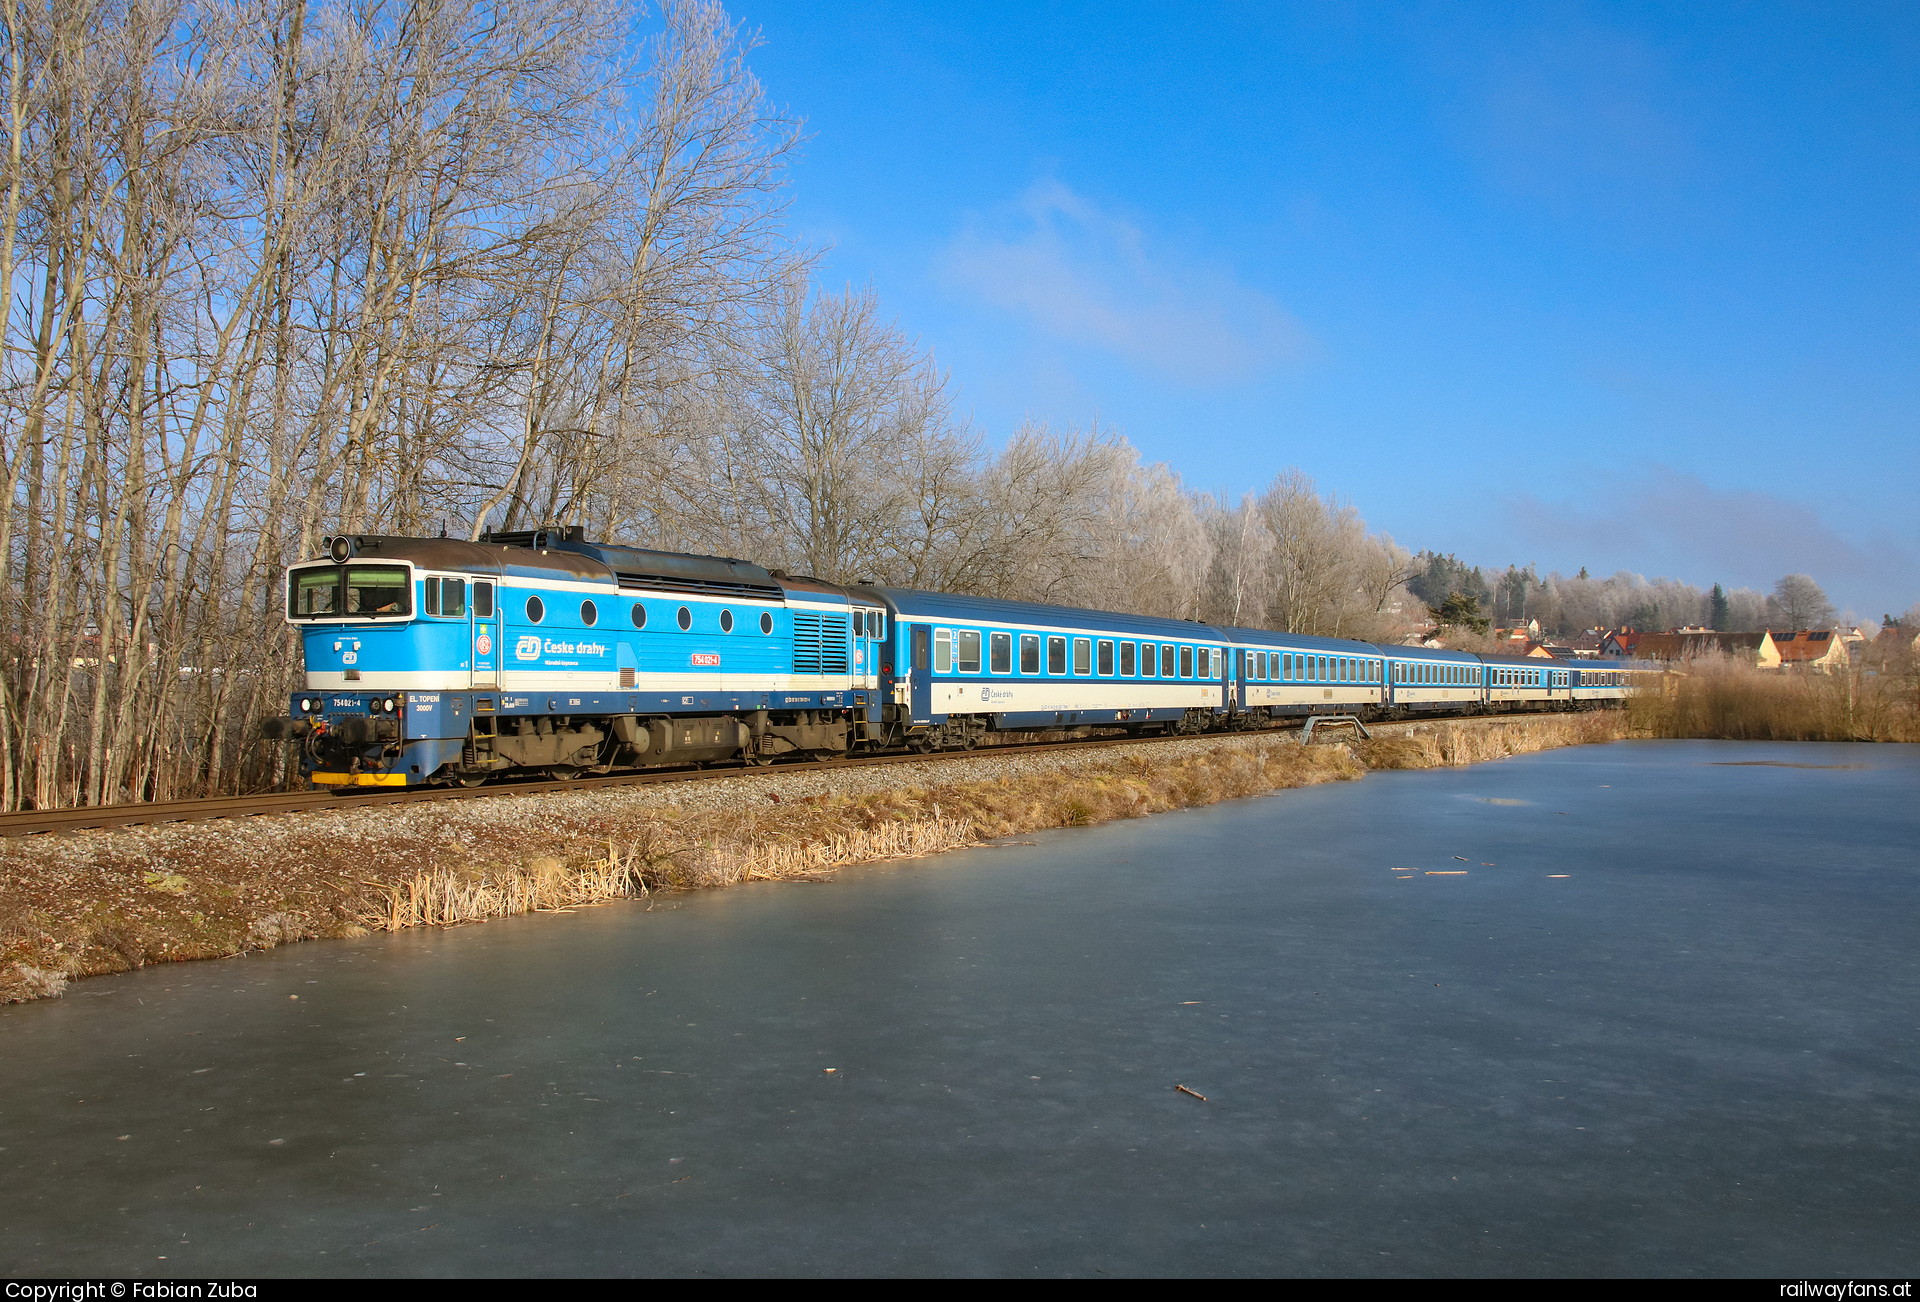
1798, 603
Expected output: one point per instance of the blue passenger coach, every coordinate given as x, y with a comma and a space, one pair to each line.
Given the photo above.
961, 667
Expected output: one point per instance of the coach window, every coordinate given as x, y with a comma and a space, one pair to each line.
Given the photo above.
1082, 655
1056, 655
1286, 666
536, 610
1186, 662
1169, 653
969, 650
942, 650
1149, 658
1127, 650
1103, 658
1000, 652
1029, 653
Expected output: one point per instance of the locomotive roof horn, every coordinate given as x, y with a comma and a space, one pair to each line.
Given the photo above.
339, 547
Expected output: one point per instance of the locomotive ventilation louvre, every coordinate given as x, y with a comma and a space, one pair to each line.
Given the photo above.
819, 643
699, 586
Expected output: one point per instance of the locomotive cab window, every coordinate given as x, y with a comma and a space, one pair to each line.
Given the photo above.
378, 590
968, 650
482, 599
1000, 652
313, 594
1029, 653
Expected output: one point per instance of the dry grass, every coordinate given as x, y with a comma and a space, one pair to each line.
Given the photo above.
1737, 702
108, 902
1449, 745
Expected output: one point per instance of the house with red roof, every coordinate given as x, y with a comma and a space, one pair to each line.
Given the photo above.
1821, 650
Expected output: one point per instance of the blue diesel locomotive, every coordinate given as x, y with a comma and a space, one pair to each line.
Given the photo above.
431, 660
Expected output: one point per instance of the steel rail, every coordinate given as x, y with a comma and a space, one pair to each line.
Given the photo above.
38, 822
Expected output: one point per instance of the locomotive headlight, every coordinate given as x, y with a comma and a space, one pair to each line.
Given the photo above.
306, 705
387, 705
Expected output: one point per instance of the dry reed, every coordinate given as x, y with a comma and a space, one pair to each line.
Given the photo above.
1717, 697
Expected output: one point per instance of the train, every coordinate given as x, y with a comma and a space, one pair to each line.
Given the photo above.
437, 661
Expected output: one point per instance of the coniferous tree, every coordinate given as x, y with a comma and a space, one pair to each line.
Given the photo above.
1722, 611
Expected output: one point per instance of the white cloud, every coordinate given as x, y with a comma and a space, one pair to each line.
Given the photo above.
1673, 521
1088, 276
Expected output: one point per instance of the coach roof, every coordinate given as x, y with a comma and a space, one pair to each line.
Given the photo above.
913, 604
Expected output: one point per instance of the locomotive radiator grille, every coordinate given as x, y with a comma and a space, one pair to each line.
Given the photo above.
819, 643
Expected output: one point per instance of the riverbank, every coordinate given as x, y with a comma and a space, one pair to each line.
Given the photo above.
108, 901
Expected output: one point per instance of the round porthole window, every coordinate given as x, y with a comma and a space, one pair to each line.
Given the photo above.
686, 619
639, 616
536, 610
726, 621
766, 621
589, 614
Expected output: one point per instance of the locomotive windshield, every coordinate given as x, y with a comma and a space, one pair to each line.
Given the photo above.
349, 592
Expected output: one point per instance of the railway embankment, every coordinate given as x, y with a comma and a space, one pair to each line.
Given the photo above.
107, 901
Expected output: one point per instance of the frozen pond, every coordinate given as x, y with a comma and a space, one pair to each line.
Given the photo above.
1662, 1019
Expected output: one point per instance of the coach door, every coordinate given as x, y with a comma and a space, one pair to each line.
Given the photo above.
486, 634
920, 674
867, 644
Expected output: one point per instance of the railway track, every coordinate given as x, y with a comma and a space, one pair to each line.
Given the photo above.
43, 822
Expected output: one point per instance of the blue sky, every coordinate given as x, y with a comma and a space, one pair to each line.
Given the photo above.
1623, 286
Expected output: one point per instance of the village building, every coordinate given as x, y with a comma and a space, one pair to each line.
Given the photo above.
1821, 650
1756, 649
1620, 644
